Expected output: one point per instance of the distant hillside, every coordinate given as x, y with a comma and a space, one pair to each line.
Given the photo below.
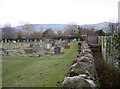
43, 27
56, 27
103, 26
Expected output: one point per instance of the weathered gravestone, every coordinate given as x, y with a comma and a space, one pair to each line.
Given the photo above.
18, 41
40, 41
41, 48
27, 41
9, 41
30, 40
31, 45
78, 39
57, 50
5, 40
35, 40
24, 41
48, 46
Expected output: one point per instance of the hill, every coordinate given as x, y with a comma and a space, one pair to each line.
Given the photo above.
57, 27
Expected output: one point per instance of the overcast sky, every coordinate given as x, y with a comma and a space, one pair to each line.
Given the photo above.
57, 11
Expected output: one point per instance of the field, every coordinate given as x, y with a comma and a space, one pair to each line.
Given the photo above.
47, 71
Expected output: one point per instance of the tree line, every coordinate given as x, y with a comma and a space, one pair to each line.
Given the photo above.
30, 31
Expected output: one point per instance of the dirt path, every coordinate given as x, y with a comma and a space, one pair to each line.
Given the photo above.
108, 77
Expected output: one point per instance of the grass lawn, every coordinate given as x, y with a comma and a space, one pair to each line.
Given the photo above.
37, 72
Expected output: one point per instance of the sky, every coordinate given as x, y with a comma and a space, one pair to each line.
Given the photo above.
16, 12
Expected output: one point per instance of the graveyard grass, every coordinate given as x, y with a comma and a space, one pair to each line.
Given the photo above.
48, 71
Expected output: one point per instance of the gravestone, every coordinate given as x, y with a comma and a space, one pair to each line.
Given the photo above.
67, 46
59, 41
24, 41
48, 46
31, 45
52, 49
35, 40
14, 41
9, 41
57, 50
74, 40
30, 40
18, 41
27, 41
40, 41
5, 40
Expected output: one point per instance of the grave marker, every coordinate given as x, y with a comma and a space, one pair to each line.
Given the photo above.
18, 41
5, 40
9, 41
35, 40
31, 45
27, 41
57, 50
67, 46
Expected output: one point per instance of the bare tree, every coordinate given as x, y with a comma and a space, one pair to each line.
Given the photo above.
8, 32
59, 33
91, 32
71, 29
49, 33
88, 31
19, 34
36, 35
27, 29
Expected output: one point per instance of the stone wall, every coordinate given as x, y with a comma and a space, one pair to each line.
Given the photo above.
82, 72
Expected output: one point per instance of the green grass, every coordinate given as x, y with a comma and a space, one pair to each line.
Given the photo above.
37, 72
